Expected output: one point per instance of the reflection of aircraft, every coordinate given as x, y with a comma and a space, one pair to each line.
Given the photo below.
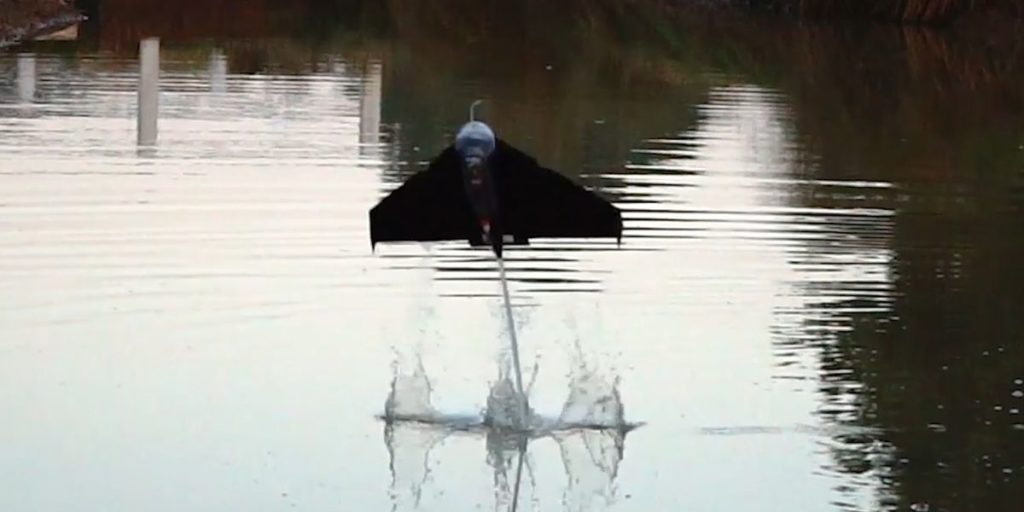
485, 191
590, 458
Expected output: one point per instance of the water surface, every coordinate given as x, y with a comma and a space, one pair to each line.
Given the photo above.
814, 307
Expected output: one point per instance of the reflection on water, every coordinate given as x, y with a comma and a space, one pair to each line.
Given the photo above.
591, 459
409, 446
815, 306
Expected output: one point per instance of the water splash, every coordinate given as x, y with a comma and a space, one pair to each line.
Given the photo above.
409, 441
410, 395
409, 398
594, 400
591, 453
504, 402
590, 432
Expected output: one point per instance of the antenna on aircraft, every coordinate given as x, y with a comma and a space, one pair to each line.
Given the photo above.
472, 109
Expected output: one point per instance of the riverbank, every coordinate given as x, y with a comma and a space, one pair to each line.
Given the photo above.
125, 21
21, 20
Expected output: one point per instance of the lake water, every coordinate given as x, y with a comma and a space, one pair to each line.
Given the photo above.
816, 305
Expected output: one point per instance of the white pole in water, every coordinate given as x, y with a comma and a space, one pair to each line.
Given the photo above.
523, 408
369, 104
27, 77
149, 90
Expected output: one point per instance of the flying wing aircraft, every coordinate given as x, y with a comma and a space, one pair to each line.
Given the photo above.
483, 190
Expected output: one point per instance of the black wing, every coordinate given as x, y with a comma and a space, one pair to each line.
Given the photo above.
533, 202
540, 203
430, 206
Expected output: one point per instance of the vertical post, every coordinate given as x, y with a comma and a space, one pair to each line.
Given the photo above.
523, 406
149, 90
218, 72
26, 77
369, 104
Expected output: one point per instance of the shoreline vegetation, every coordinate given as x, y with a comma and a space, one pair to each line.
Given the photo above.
911, 12
23, 20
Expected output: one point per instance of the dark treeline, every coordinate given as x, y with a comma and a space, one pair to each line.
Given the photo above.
123, 21
259, 17
906, 11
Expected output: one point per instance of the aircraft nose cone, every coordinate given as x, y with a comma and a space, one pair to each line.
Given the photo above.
474, 142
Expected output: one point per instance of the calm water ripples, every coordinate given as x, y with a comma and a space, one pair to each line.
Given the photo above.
203, 325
